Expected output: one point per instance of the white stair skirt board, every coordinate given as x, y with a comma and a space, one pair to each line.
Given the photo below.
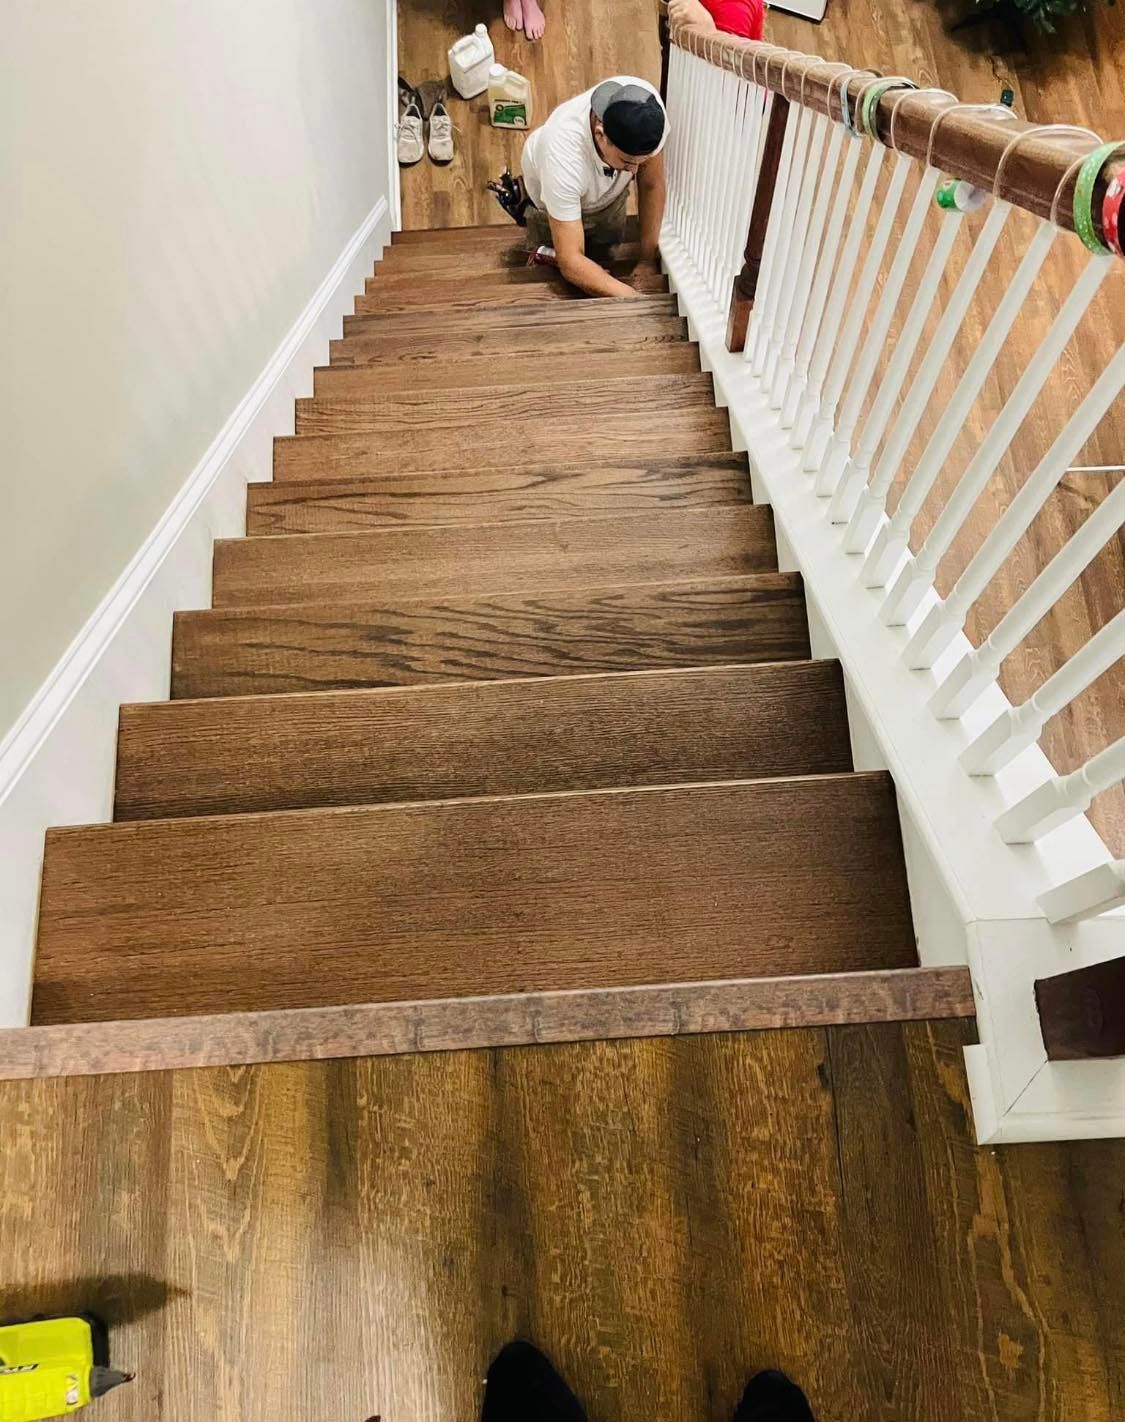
974, 899
57, 762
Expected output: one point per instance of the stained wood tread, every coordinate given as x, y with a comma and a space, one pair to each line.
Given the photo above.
490, 276
537, 555
453, 315
489, 293
499, 232
466, 261
515, 737
449, 411
503, 1020
539, 368
418, 349
698, 429
496, 495
411, 641
612, 888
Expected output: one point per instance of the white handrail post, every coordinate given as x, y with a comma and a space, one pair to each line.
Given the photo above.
978, 668
1087, 895
1062, 797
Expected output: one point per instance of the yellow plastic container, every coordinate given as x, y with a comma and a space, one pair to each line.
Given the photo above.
509, 98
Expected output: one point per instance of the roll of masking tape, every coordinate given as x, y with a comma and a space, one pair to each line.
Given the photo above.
871, 96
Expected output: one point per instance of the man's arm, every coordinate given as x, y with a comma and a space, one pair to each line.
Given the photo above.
689, 12
570, 250
650, 203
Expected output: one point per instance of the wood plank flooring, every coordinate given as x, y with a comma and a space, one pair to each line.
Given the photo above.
663, 1216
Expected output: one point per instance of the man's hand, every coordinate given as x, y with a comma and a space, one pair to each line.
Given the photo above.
576, 267
689, 12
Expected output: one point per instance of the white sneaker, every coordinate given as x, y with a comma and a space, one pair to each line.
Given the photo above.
409, 142
441, 134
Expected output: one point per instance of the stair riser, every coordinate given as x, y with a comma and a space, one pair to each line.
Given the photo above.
450, 411
492, 277
378, 747
413, 643
472, 897
535, 368
452, 317
469, 262
696, 431
413, 354
487, 295
493, 496
444, 562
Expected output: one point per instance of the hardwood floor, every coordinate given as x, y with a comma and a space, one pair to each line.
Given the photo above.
352, 1239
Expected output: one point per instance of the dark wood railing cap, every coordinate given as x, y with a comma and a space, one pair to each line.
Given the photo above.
969, 141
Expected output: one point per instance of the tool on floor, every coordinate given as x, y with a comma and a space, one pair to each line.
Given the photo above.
509, 98
511, 195
52, 1367
470, 59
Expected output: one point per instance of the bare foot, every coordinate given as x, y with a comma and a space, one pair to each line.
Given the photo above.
513, 14
534, 20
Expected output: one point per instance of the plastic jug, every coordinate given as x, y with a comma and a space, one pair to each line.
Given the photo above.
509, 98
470, 59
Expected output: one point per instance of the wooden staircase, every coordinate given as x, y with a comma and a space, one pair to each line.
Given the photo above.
502, 726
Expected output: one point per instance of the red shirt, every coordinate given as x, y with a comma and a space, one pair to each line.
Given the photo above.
739, 17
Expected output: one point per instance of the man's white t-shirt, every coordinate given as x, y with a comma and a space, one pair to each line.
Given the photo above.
562, 170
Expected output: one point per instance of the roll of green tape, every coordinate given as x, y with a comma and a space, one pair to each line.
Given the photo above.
1084, 195
871, 97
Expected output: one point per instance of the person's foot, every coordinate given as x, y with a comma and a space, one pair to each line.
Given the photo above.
409, 142
522, 1384
772, 1397
534, 20
513, 14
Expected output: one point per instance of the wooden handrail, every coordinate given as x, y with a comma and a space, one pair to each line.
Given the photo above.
970, 143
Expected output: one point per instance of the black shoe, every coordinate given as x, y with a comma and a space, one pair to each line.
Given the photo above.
522, 1386
771, 1397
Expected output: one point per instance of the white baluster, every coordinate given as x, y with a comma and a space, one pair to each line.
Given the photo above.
698, 71
799, 264
942, 624
772, 269
864, 371
910, 586
1020, 726
745, 188
829, 250
1063, 797
766, 353
845, 351
1095, 892
873, 501
677, 88
978, 669
721, 149
735, 176
705, 197
833, 318
887, 550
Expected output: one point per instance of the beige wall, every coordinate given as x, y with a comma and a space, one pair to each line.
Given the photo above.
176, 179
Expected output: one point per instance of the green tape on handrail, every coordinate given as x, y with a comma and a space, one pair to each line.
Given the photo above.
1088, 176
871, 96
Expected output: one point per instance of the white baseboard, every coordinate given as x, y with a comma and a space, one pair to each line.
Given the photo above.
57, 762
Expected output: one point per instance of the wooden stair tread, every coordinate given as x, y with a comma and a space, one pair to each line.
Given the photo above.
491, 276
492, 495
538, 368
468, 260
451, 410
489, 293
417, 350
499, 231
410, 642
443, 561
466, 1023
543, 734
645, 434
453, 316
609, 888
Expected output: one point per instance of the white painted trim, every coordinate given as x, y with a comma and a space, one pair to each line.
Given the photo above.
974, 898
394, 172
57, 762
